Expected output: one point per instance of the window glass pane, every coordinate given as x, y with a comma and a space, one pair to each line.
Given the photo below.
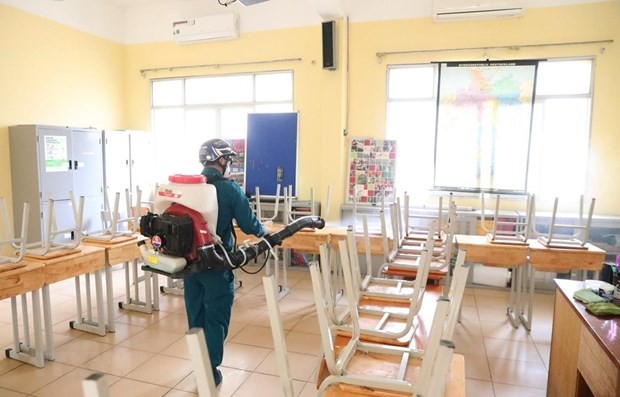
274, 108
411, 82
220, 89
274, 87
564, 77
412, 124
234, 122
560, 172
200, 126
167, 93
168, 127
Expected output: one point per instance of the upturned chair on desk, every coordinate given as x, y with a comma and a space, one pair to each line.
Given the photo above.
19, 244
379, 367
50, 242
505, 230
115, 224
571, 235
387, 317
402, 262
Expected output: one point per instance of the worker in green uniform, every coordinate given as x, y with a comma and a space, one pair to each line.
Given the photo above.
209, 294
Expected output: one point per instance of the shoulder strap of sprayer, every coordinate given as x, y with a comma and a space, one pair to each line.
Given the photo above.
215, 178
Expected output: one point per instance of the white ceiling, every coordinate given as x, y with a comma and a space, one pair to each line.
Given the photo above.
140, 21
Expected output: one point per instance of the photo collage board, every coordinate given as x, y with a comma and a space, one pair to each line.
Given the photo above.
372, 168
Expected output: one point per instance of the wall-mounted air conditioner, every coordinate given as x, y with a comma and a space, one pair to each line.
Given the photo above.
209, 28
458, 10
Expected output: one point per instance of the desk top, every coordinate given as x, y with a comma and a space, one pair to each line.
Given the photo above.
120, 251
304, 240
21, 279
87, 260
479, 249
606, 330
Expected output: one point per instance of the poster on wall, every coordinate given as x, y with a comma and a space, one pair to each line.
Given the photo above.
372, 165
237, 168
56, 153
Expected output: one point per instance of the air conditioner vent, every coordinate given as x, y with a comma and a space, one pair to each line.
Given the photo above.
455, 10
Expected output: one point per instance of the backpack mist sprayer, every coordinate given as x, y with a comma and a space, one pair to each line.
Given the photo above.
182, 231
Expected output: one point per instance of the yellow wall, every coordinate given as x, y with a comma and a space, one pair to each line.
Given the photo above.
56, 75
320, 95
52, 74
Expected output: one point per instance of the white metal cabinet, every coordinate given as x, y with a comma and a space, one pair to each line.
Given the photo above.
52, 161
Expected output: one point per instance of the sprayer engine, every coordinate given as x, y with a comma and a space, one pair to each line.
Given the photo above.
170, 234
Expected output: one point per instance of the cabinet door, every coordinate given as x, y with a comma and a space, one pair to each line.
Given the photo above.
117, 167
142, 163
87, 158
55, 165
92, 217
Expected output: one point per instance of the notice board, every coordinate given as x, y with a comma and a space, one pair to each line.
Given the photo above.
271, 153
372, 166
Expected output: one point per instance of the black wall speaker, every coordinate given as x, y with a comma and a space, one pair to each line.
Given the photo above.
329, 45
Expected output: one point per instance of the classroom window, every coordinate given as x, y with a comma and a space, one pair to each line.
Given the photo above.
185, 112
561, 113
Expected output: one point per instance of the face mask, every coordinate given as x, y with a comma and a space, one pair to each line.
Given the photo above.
228, 170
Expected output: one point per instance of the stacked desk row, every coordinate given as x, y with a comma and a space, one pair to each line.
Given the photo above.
524, 259
35, 274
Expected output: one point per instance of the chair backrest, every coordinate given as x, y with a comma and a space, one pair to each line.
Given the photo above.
326, 272
275, 320
349, 285
354, 262
432, 383
334, 365
327, 335
433, 343
455, 294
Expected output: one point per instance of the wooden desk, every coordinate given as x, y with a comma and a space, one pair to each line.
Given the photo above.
479, 249
124, 250
585, 349
88, 260
562, 260
25, 277
513, 256
303, 241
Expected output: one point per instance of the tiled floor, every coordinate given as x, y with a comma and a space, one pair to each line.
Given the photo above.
147, 355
